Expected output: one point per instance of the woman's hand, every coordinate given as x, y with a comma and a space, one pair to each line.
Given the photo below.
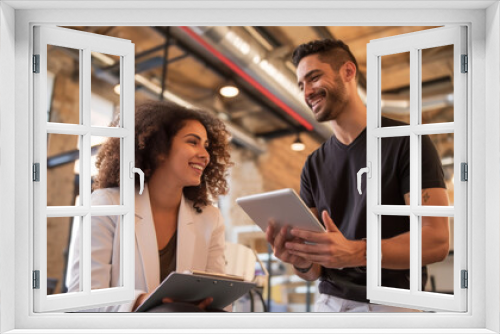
203, 304
140, 300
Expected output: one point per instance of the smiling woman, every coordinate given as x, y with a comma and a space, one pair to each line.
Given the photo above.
156, 125
184, 155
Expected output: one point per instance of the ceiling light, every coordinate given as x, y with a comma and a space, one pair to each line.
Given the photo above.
298, 145
117, 89
229, 91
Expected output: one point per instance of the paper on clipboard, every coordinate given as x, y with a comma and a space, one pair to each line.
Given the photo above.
190, 287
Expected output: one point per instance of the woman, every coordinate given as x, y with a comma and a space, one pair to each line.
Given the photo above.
184, 156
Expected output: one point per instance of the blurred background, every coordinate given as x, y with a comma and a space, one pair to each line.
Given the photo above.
244, 75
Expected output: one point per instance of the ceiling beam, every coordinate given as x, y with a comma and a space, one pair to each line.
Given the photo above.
268, 36
323, 32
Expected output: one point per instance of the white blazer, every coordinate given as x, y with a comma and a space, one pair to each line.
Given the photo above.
200, 245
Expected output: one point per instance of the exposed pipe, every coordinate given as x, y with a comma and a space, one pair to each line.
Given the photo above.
237, 134
198, 51
249, 78
239, 46
165, 63
390, 104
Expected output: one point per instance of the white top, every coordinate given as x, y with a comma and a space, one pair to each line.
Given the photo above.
200, 245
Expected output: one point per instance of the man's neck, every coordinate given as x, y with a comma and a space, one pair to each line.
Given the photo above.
348, 125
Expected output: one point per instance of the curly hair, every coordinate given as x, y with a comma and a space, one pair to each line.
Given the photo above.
332, 51
156, 124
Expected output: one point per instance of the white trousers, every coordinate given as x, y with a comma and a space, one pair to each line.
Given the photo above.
327, 303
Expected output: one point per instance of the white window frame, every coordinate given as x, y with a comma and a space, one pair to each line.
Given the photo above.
482, 18
413, 43
85, 43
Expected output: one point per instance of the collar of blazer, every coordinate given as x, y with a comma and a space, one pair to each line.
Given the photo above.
143, 207
146, 237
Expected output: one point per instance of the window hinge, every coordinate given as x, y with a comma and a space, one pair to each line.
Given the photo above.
465, 64
36, 63
465, 279
36, 279
464, 172
36, 172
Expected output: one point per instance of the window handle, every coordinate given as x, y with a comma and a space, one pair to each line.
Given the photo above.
368, 171
141, 176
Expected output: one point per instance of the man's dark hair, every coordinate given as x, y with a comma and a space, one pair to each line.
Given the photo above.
331, 51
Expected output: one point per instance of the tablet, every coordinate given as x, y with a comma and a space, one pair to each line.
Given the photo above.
283, 207
196, 287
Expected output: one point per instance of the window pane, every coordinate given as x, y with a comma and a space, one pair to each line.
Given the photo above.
437, 84
109, 168
63, 64
106, 251
105, 98
59, 234
394, 227
440, 272
62, 182
395, 170
437, 168
395, 86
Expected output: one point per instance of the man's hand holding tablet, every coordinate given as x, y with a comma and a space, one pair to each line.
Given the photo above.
279, 240
277, 213
300, 242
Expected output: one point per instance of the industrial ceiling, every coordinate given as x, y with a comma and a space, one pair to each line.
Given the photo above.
190, 64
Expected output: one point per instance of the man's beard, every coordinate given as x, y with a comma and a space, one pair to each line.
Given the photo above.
337, 100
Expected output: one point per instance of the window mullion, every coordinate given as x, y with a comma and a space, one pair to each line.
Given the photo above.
128, 156
404, 210
85, 254
77, 129
414, 170
85, 82
85, 182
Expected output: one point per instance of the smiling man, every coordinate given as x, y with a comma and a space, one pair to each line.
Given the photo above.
327, 75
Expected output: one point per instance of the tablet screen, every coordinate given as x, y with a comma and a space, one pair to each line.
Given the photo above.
283, 207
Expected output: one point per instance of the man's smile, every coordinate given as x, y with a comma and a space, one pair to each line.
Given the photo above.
315, 100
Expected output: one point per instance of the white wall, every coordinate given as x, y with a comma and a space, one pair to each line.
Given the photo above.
493, 165
7, 169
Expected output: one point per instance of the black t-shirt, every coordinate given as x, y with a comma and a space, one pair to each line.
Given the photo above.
329, 182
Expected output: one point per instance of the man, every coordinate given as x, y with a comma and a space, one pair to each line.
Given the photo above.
326, 74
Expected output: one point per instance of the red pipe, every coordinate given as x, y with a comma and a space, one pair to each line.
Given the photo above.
248, 78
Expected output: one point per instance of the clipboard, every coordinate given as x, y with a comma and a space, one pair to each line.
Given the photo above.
194, 287
282, 206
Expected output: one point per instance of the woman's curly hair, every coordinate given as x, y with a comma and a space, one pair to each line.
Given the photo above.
156, 124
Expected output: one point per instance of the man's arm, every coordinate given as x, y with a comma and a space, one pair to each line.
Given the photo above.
435, 236
333, 250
